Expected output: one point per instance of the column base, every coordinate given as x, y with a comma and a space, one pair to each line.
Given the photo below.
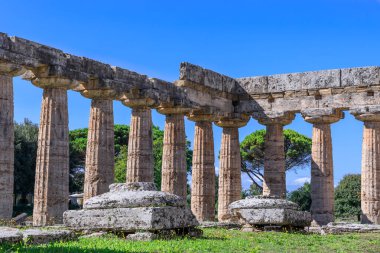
322, 219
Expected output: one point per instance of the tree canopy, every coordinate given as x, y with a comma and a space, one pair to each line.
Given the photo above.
302, 197
347, 197
297, 153
25, 144
78, 143
26, 136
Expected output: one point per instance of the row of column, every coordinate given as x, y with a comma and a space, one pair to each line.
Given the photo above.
52, 169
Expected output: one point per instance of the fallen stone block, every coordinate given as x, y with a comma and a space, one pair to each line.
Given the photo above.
41, 236
142, 236
269, 212
343, 227
10, 235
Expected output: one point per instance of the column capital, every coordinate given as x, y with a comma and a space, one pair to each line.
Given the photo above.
322, 115
202, 116
235, 121
366, 114
91, 90
50, 77
10, 69
167, 110
282, 118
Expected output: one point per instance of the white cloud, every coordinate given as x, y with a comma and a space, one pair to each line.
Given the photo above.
301, 181
216, 170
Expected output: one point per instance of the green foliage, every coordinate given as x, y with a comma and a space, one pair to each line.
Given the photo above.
253, 190
297, 153
347, 197
302, 197
121, 165
216, 240
25, 144
78, 143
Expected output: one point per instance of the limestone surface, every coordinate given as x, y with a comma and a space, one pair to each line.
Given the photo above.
262, 211
39, 236
123, 209
10, 235
342, 227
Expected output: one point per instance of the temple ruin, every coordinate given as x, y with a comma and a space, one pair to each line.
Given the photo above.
203, 96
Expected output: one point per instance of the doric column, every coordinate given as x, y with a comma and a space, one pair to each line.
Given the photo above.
6, 146
203, 169
229, 166
370, 176
52, 170
174, 172
274, 183
7, 71
140, 146
322, 179
99, 173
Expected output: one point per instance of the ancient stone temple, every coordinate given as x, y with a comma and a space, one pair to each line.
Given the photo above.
204, 96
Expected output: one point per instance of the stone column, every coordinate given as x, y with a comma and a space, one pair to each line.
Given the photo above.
174, 172
100, 151
370, 176
140, 164
203, 171
229, 167
322, 179
274, 183
6, 146
51, 190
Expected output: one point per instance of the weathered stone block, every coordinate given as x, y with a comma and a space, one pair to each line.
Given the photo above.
131, 199
39, 236
360, 76
131, 219
262, 211
10, 235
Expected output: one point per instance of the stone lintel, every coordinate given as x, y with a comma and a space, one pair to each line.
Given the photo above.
322, 115
201, 77
366, 114
282, 118
236, 121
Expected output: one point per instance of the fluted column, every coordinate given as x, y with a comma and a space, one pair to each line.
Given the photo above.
274, 162
229, 166
203, 172
274, 183
140, 164
99, 173
322, 179
174, 156
370, 176
52, 170
6, 146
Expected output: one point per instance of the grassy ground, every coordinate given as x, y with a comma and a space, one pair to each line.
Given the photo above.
219, 240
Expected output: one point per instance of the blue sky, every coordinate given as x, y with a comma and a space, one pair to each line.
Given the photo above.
237, 38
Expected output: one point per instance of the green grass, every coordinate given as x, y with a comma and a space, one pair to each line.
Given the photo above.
218, 240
